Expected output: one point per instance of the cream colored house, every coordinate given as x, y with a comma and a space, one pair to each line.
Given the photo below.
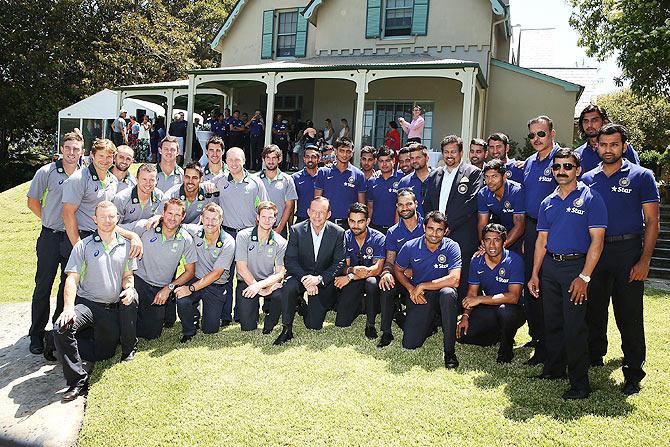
370, 61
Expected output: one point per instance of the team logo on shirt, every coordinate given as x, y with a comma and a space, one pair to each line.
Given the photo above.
441, 262
501, 276
578, 202
462, 188
547, 171
501, 272
508, 205
624, 181
199, 244
508, 174
153, 239
60, 182
279, 185
369, 251
350, 182
96, 253
132, 211
175, 246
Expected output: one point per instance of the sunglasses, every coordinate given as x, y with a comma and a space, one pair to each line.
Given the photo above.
539, 133
566, 166
210, 194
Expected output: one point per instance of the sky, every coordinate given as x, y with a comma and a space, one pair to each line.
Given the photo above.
564, 49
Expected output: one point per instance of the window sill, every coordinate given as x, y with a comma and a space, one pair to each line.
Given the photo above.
396, 40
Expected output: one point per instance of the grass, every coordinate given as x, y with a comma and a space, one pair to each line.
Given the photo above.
333, 387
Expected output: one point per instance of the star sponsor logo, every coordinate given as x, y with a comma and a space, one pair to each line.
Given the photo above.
621, 189
575, 210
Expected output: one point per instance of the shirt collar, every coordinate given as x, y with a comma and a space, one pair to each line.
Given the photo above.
219, 243
135, 198
244, 179
177, 169
120, 240
94, 174
254, 235
200, 196
419, 221
263, 175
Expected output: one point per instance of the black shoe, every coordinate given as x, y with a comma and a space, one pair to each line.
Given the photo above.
505, 355
450, 361
547, 376
597, 362
286, 335
386, 340
37, 344
530, 344
129, 357
576, 394
185, 338
534, 360
167, 325
267, 330
630, 387
225, 323
371, 332
49, 346
74, 392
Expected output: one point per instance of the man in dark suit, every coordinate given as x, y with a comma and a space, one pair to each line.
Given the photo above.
452, 189
314, 256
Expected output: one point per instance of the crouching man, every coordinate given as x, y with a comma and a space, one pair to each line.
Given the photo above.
99, 295
491, 312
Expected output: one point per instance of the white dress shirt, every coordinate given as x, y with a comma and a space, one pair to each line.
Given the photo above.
316, 239
447, 182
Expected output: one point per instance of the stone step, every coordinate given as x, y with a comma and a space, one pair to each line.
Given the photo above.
660, 262
659, 273
661, 252
662, 243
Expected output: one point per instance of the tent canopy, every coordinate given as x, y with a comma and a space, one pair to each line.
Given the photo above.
103, 105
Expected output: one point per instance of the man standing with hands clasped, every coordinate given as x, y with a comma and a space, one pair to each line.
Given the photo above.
570, 237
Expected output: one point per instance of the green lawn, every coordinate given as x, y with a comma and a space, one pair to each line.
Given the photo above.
333, 387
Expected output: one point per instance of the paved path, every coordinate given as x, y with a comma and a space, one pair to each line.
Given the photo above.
31, 412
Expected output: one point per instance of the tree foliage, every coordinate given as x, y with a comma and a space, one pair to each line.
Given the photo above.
638, 31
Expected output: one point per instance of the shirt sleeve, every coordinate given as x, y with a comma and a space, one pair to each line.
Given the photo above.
454, 256
542, 223
517, 273
369, 196
281, 251
379, 252
241, 244
597, 214
262, 193
390, 242
473, 275
73, 189
225, 258
402, 259
131, 263
417, 124
190, 254
361, 184
291, 193
38, 185
519, 202
631, 154
77, 260
648, 188
481, 202
318, 181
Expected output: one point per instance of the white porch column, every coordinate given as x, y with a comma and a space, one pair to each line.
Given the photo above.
480, 111
468, 89
361, 90
119, 102
188, 144
271, 90
231, 100
169, 99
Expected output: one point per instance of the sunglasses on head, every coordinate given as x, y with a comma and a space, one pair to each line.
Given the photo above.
566, 166
539, 133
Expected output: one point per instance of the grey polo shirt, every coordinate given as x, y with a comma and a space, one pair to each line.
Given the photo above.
47, 187
208, 175
216, 256
239, 199
261, 257
165, 181
193, 209
131, 209
119, 125
128, 182
85, 189
161, 255
100, 267
280, 190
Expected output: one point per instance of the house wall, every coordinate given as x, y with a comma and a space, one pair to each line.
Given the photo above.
514, 98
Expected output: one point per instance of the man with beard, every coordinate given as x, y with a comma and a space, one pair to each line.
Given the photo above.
591, 119
410, 226
53, 249
498, 145
405, 161
478, 152
632, 199
570, 237
435, 262
417, 181
123, 159
368, 160
502, 201
190, 192
364, 262
169, 174
142, 200
382, 191
453, 189
304, 181
280, 188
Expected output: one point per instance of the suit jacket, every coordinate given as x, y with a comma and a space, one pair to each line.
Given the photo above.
299, 257
462, 204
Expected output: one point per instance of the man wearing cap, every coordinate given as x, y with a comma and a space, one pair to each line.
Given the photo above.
169, 174
364, 262
142, 200
259, 258
280, 188
342, 184
409, 226
99, 294
632, 200
256, 126
304, 181
215, 250
491, 313
417, 180
382, 191
119, 129
164, 246
191, 193
571, 230
53, 248
123, 159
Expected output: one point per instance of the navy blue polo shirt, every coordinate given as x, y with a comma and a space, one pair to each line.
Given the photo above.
568, 221
538, 181
255, 128
514, 173
219, 128
280, 127
304, 186
590, 158
428, 265
624, 193
413, 182
398, 234
495, 280
512, 202
341, 188
371, 251
382, 193
234, 122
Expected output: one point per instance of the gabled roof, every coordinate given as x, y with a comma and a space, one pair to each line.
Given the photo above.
568, 86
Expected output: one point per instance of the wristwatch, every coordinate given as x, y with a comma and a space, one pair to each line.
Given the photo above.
320, 279
171, 287
350, 276
585, 278
191, 288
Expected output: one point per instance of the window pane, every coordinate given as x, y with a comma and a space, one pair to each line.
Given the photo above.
286, 33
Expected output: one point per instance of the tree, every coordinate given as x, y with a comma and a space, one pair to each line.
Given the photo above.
637, 30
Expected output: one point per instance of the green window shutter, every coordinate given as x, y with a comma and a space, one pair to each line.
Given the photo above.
373, 23
301, 35
420, 18
268, 32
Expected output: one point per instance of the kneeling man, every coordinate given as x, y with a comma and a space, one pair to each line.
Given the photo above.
495, 315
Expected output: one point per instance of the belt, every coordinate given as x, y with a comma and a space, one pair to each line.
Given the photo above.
52, 230
566, 257
622, 237
107, 306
